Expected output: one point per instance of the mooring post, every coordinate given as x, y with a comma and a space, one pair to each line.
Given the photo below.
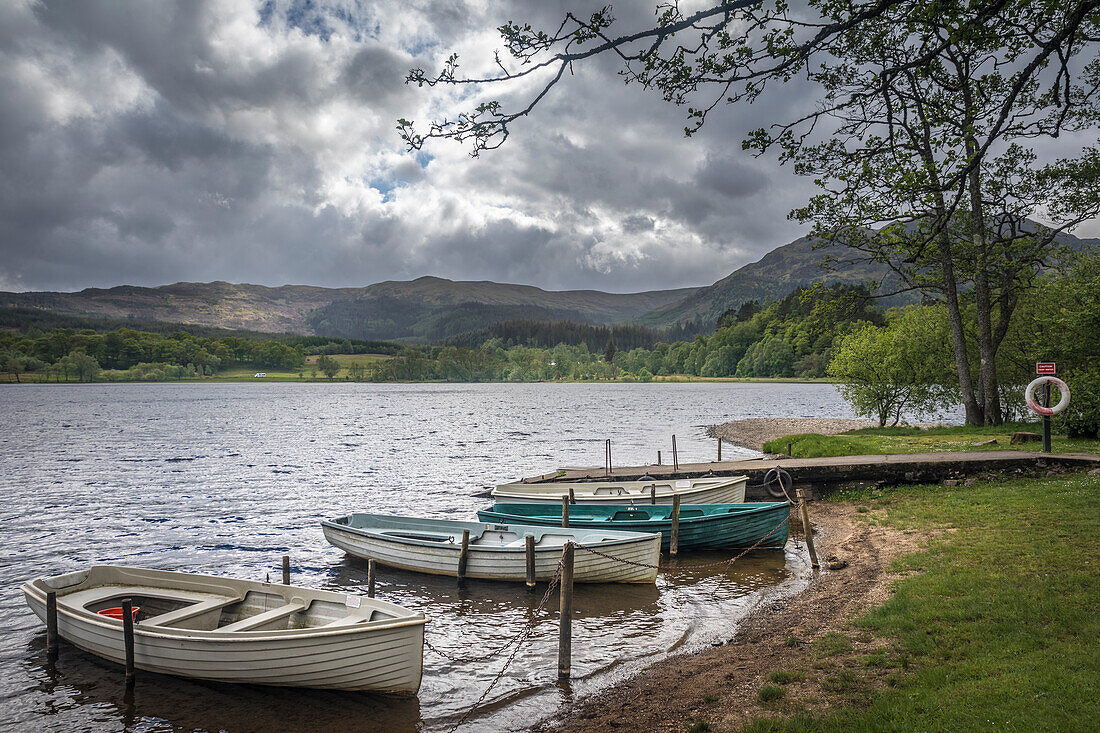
653, 494
675, 456
572, 496
463, 556
51, 626
806, 524
658, 458
719, 450
370, 578
565, 623
128, 637
529, 541
286, 569
564, 510
788, 450
610, 462
674, 542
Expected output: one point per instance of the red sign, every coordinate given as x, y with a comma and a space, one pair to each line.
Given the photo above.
1045, 367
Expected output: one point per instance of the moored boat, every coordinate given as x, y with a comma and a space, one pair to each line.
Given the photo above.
709, 490
702, 526
496, 551
230, 630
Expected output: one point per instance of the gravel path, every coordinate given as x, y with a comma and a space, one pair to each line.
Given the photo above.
754, 432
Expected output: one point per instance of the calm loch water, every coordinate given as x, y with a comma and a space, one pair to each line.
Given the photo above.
226, 478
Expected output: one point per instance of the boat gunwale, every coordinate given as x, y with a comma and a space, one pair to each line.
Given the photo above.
764, 507
409, 618
515, 549
516, 489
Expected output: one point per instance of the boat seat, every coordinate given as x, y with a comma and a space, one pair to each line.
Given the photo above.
188, 612
347, 621
83, 598
260, 619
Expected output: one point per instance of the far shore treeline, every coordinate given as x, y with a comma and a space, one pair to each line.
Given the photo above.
887, 363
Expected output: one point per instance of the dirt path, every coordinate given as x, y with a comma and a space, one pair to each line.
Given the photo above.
808, 635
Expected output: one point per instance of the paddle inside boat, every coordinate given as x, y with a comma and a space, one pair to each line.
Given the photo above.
701, 526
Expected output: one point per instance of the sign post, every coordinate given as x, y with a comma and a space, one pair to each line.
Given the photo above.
1046, 368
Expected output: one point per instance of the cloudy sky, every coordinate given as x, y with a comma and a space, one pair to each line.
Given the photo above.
151, 142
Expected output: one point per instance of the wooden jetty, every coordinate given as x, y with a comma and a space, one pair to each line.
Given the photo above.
820, 475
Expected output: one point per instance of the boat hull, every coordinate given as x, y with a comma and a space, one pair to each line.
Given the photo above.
721, 527
503, 563
383, 659
696, 491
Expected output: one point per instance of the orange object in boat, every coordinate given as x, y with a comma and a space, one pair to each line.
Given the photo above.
116, 612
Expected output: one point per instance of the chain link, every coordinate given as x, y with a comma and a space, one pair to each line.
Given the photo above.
517, 639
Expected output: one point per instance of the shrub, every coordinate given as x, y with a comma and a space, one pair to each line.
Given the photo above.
770, 692
1081, 419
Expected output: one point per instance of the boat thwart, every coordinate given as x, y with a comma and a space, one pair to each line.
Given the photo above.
496, 551
230, 630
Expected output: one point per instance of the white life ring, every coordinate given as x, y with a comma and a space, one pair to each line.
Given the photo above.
1029, 396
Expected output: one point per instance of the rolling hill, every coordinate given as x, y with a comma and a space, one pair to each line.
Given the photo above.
778, 273
419, 309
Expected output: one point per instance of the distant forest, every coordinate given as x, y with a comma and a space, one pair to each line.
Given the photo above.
790, 337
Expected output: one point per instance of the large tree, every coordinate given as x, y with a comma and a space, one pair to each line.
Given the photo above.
918, 140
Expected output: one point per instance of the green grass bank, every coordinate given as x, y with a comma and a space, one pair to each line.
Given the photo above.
993, 627
874, 441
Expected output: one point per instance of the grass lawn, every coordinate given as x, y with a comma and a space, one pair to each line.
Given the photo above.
995, 627
242, 374
869, 441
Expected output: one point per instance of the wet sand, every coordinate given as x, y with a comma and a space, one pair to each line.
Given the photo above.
720, 685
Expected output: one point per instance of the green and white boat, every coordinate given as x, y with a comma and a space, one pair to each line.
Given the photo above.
497, 551
702, 526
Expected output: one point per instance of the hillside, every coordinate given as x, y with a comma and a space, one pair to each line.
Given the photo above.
778, 273
386, 310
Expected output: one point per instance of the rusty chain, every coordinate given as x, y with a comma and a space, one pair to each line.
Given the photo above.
517, 639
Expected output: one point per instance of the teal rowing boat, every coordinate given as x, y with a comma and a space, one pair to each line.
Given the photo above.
702, 526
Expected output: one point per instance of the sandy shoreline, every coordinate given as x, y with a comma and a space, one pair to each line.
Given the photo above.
720, 684
754, 432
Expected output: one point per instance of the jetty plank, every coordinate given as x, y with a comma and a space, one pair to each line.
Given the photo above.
817, 475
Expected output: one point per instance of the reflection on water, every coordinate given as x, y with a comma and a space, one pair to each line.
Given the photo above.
224, 479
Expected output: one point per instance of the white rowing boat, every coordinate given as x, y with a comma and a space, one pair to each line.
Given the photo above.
230, 630
496, 551
710, 490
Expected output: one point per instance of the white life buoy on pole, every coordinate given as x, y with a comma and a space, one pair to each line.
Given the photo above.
1029, 396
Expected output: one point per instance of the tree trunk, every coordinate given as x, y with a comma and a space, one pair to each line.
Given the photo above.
974, 414
987, 358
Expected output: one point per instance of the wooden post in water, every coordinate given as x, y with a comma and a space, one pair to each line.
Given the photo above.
370, 578
286, 569
674, 542
658, 458
529, 541
809, 530
653, 494
51, 626
564, 510
719, 450
128, 637
463, 557
565, 622
610, 463
675, 456
572, 496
